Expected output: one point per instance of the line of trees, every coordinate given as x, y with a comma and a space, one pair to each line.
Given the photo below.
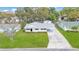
36, 13
30, 14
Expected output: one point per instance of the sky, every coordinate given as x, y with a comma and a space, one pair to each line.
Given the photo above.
13, 9
58, 8
7, 9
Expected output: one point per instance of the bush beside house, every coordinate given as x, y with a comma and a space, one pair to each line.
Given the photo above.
75, 28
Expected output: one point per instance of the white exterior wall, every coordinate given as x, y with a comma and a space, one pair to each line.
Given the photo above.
27, 30
34, 30
42, 30
17, 28
1, 30
39, 30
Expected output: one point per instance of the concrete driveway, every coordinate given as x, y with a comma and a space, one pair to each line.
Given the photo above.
57, 40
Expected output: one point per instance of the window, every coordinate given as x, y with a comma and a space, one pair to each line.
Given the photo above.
28, 29
43, 28
36, 29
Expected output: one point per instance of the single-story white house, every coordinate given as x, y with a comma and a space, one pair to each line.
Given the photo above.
9, 27
39, 27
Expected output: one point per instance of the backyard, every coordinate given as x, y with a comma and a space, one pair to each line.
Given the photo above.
23, 39
72, 37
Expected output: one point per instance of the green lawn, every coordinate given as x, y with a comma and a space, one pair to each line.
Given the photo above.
24, 40
72, 37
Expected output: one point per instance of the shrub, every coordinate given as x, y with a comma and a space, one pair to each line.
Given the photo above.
74, 27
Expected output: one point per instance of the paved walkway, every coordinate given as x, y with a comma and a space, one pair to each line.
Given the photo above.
57, 40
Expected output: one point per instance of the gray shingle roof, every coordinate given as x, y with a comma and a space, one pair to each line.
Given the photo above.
39, 25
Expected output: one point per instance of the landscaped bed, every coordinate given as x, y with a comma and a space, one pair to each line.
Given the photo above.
22, 39
72, 37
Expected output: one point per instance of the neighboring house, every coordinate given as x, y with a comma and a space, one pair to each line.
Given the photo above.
2, 20
67, 25
15, 19
39, 27
7, 27
12, 20
64, 17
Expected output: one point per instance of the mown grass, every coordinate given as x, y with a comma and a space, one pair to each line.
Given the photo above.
72, 37
22, 39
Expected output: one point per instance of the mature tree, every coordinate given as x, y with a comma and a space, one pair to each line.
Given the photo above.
43, 13
33, 13
20, 13
71, 12
37, 13
53, 14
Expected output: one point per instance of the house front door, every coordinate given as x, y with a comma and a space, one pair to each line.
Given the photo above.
31, 30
